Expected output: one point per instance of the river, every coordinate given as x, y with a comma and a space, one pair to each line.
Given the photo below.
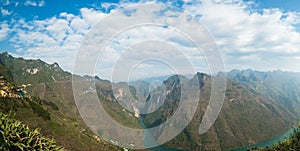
267, 143
149, 140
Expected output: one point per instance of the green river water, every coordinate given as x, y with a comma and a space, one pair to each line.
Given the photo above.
267, 143
149, 140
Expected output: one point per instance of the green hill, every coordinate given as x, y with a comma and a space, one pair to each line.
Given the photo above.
32, 71
5, 72
48, 104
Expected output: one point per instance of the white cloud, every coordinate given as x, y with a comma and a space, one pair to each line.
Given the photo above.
58, 29
55, 39
4, 30
247, 38
7, 2
241, 31
237, 29
39, 3
91, 16
5, 12
68, 17
79, 25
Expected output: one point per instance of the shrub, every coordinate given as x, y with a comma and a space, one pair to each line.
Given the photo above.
16, 136
51, 104
39, 110
291, 143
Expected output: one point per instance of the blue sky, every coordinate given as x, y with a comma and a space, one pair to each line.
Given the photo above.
286, 5
259, 34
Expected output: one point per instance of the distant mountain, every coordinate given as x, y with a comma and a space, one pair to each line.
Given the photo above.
157, 78
257, 107
282, 87
245, 118
161, 78
32, 71
143, 88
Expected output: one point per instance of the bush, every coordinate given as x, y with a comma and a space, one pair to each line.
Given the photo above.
51, 104
11, 104
39, 110
291, 143
16, 136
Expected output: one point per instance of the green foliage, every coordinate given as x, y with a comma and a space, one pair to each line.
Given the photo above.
44, 102
15, 135
38, 109
36, 99
51, 104
5, 72
8, 105
291, 143
11, 104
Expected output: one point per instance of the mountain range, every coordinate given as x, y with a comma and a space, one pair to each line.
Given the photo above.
258, 105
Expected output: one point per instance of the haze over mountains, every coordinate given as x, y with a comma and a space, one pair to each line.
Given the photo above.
258, 105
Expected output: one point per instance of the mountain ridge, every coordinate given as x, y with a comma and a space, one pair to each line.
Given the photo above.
234, 122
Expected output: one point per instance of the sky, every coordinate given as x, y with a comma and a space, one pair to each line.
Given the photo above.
251, 34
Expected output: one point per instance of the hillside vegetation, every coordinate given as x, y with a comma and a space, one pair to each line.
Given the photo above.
290, 143
245, 118
282, 87
17, 136
257, 107
47, 104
